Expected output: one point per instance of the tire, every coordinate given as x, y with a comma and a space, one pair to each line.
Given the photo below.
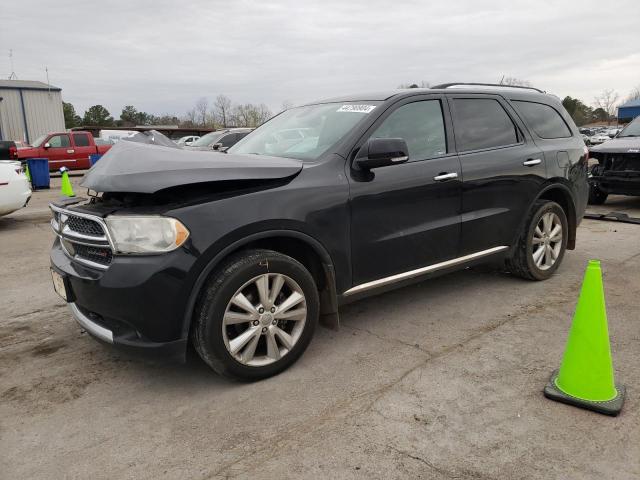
596, 196
522, 261
222, 325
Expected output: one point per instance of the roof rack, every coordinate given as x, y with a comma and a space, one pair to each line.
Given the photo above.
447, 85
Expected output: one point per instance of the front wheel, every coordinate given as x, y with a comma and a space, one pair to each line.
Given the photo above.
256, 315
542, 244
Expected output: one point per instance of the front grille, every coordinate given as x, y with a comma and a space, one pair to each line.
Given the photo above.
83, 237
100, 255
85, 226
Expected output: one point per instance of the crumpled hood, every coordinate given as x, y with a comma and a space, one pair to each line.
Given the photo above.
135, 167
618, 145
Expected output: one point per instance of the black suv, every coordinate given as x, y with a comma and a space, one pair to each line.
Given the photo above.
244, 252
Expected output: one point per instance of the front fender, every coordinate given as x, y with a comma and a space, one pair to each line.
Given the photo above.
235, 241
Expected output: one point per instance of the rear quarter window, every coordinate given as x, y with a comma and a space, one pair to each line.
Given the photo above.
544, 120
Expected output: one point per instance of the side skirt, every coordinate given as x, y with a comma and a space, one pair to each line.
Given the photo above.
399, 277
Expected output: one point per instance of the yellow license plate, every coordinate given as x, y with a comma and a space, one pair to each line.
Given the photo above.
58, 284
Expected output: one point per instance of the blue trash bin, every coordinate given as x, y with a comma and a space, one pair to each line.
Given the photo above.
94, 157
39, 171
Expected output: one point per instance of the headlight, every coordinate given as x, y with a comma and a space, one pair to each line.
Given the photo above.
140, 234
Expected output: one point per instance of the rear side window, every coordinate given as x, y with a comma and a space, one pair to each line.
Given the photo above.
421, 125
543, 119
81, 139
482, 123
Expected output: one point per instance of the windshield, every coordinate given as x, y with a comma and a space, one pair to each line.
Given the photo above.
304, 133
208, 140
38, 141
631, 130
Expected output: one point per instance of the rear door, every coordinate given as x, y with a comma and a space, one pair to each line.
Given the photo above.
407, 216
60, 152
83, 147
502, 170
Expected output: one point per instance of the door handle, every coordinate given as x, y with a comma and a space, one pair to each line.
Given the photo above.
445, 176
531, 162
70, 151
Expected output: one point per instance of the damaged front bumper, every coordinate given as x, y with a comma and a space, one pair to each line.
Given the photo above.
617, 173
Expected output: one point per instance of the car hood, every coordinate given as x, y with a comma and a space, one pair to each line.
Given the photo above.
619, 145
134, 167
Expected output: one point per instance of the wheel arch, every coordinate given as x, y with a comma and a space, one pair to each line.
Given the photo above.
300, 246
561, 194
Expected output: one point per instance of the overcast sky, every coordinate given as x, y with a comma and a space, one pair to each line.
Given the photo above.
162, 56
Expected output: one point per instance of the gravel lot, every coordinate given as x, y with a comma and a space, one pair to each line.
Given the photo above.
439, 380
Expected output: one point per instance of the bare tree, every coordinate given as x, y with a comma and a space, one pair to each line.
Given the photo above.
250, 115
634, 94
201, 108
222, 110
607, 101
514, 82
190, 118
422, 84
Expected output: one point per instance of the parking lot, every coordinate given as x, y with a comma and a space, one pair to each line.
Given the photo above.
439, 380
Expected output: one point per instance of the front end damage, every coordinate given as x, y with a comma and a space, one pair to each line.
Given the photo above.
618, 168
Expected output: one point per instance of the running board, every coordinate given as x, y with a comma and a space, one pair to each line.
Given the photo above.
420, 271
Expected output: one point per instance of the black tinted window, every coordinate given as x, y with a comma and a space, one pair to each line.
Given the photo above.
421, 125
482, 123
543, 119
228, 140
81, 139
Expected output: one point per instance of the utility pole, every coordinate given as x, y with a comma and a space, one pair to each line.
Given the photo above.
13, 75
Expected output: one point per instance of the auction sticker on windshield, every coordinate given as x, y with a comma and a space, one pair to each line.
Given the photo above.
356, 108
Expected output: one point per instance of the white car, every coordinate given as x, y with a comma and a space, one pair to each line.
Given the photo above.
15, 190
612, 132
188, 140
599, 138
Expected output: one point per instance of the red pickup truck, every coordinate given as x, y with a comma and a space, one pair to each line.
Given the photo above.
68, 149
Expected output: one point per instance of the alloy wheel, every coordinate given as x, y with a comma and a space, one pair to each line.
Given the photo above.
547, 241
264, 319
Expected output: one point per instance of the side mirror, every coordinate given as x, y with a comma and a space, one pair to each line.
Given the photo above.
382, 152
47, 145
216, 146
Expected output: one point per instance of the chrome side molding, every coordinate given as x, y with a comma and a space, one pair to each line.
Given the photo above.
420, 271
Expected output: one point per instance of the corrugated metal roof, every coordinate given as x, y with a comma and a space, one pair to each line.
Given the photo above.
631, 103
27, 85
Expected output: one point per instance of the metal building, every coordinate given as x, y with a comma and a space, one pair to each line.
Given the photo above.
29, 109
629, 110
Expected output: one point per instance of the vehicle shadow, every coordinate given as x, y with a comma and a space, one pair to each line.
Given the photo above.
421, 315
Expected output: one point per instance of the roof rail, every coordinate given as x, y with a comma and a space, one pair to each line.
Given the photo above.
447, 85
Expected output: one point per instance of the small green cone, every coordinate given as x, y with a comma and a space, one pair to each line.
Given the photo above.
585, 378
66, 188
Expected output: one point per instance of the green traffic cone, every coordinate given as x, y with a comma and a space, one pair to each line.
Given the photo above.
26, 172
66, 188
585, 378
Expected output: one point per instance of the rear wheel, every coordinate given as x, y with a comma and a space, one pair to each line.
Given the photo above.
542, 244
596, 196
256, 315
